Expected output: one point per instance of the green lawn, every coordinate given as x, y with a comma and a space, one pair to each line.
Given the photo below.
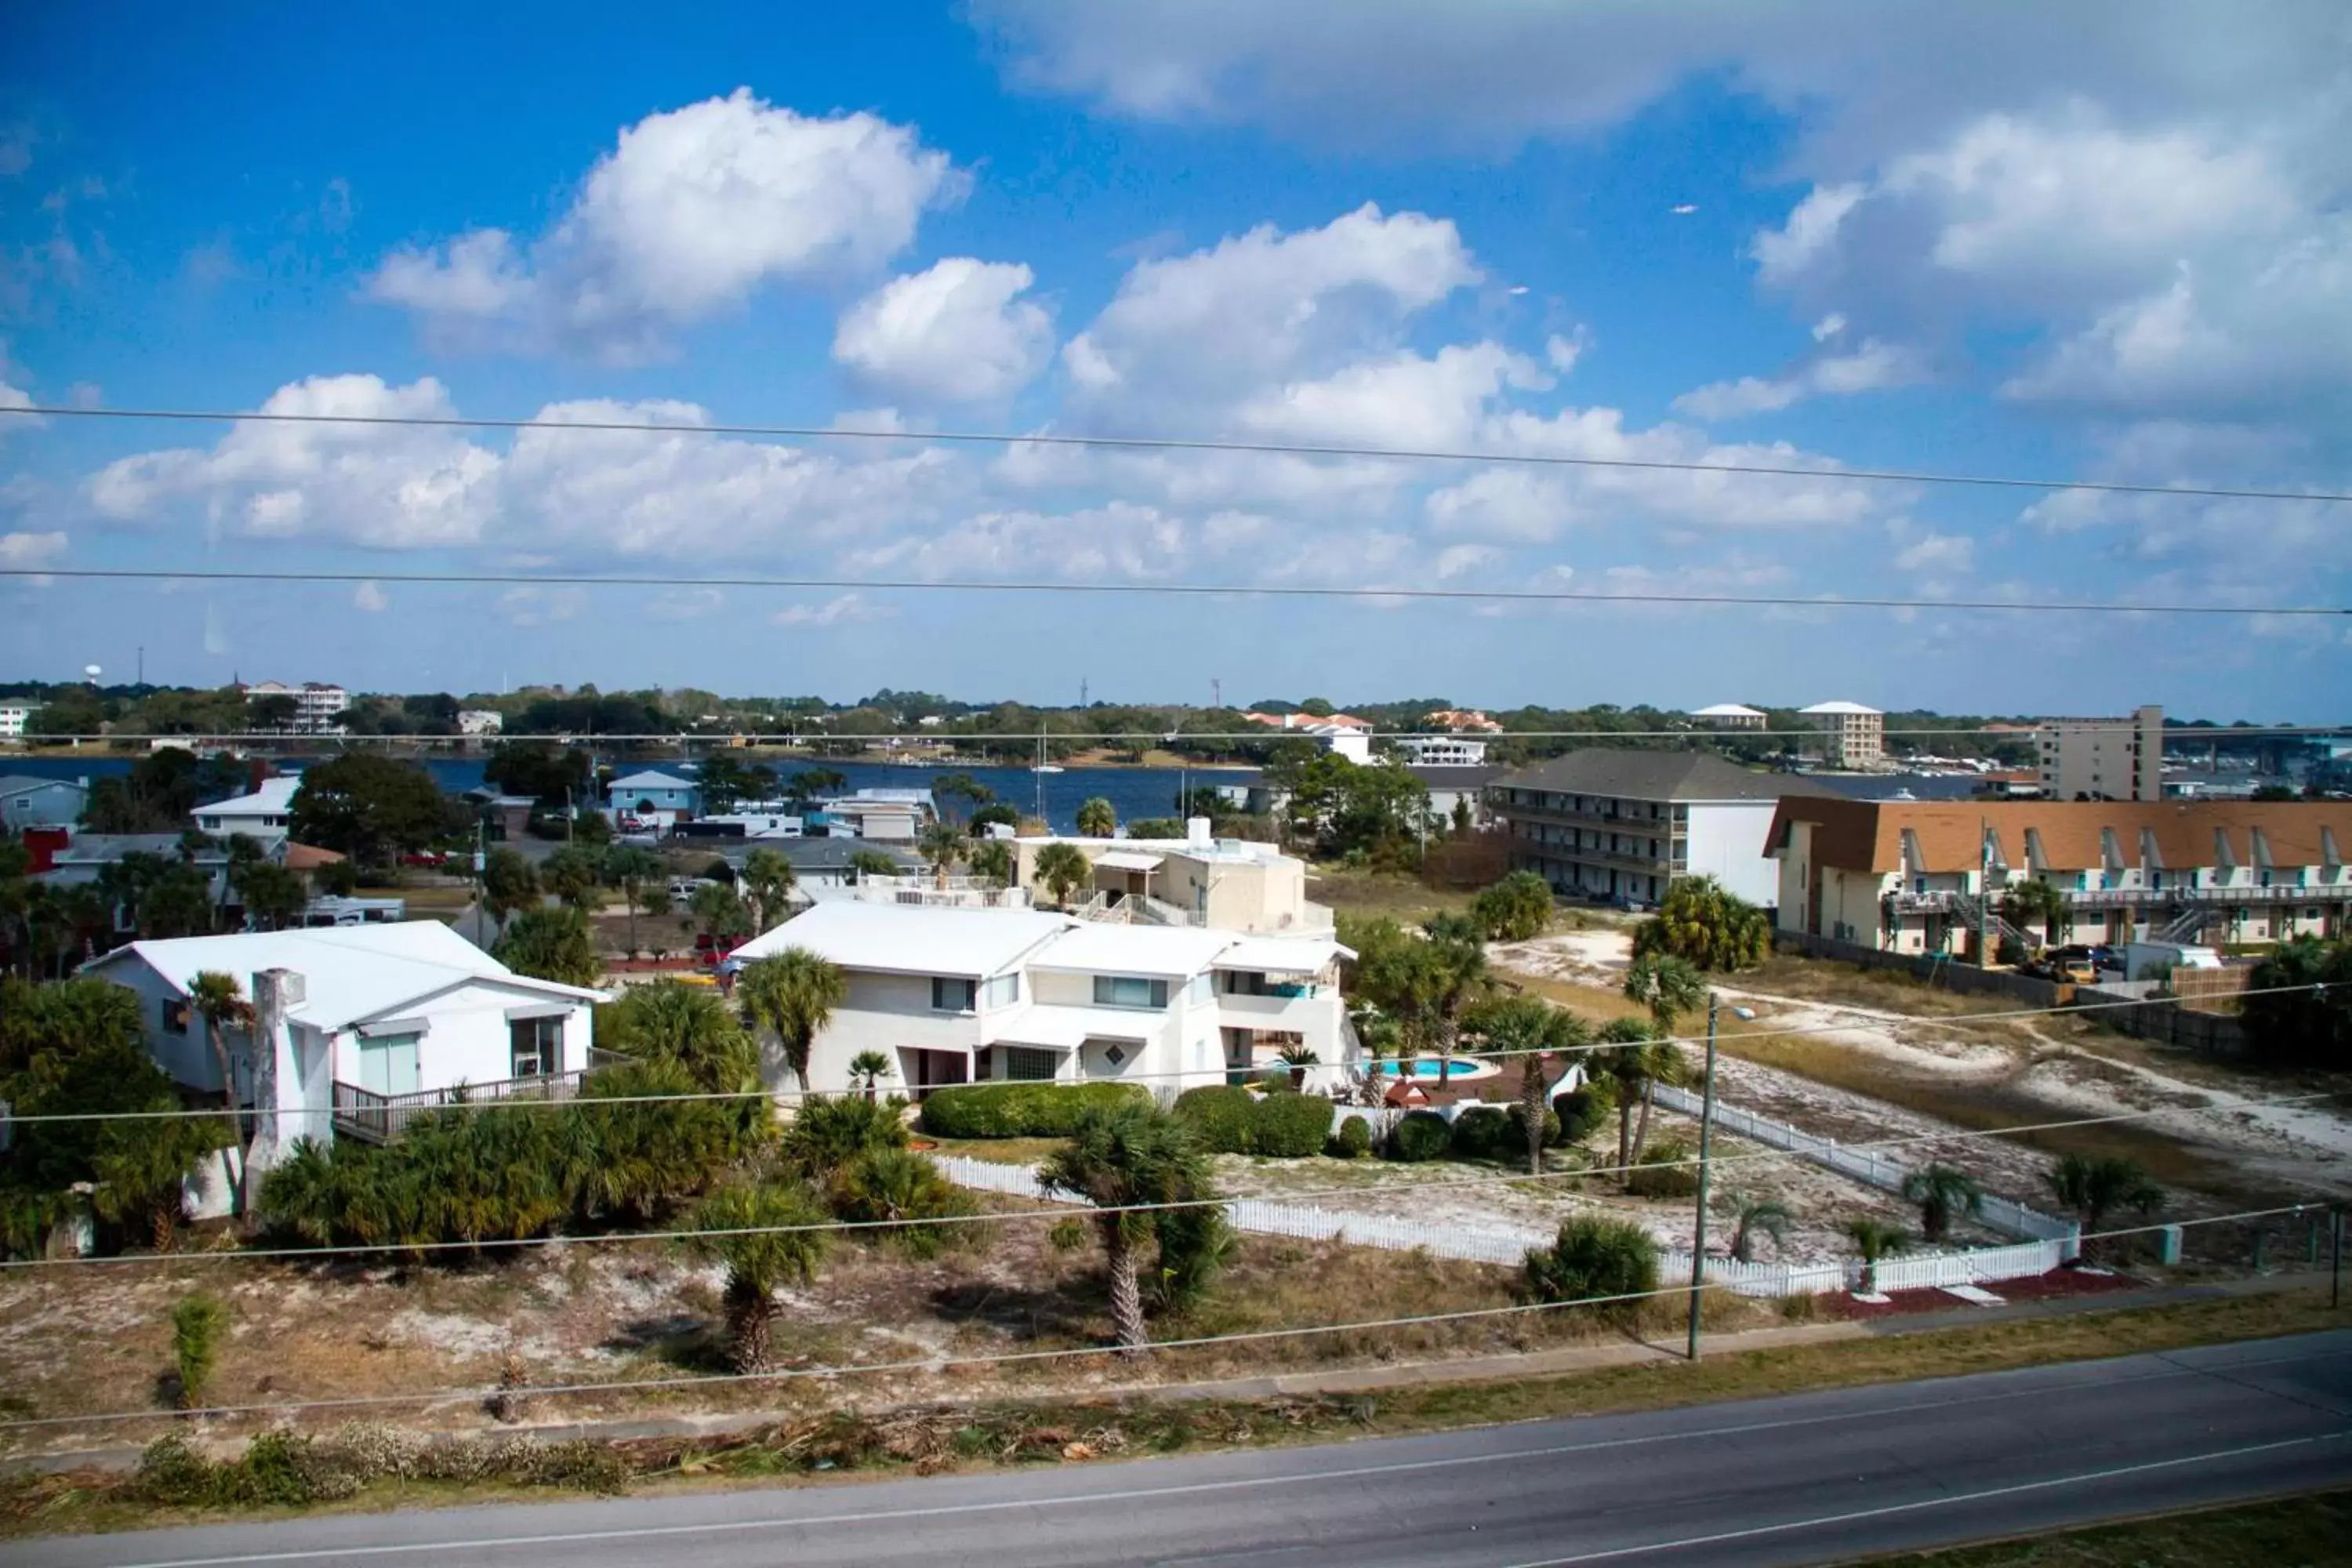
2289, 1533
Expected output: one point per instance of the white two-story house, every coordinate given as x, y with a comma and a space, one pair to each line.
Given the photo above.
957, 996
356, 1027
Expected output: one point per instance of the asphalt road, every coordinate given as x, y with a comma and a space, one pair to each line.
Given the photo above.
1809, 1478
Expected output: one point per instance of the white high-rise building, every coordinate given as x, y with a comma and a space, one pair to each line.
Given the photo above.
14, 717
1853, 736
2102, 759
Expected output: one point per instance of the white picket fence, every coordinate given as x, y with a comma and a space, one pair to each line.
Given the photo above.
1868, 1166
1508, 1244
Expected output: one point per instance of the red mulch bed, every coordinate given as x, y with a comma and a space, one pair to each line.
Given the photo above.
2047, 1286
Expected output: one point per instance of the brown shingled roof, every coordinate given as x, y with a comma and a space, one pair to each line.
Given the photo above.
1857, 835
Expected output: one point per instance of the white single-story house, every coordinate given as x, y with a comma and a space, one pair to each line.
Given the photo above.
957, 996
29, 802
266, 814
357, 1027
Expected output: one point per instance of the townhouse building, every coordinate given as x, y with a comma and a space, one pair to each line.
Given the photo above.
1922, 877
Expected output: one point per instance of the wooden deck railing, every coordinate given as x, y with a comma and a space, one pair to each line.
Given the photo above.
378, 1118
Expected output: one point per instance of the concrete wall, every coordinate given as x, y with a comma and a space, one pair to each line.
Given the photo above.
1961, 977
1726, 841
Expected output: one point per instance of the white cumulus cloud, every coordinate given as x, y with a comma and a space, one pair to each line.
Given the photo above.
693, 211
1872, 365
958, 331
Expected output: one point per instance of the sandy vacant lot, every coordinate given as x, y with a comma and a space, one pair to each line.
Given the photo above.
2045, 1069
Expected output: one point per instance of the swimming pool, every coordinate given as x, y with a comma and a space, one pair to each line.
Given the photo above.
1427, 1070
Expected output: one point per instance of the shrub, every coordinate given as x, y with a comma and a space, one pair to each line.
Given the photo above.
1068, 1234
1220, 1116
1515, 909
196, 1324
1583, 1112
828, 1133
1353, 1141
1482, 1132
1517, 1116
1229, 1119
892, 1186
1595, 1259
1661, 1172
1290, 1126
1020, 1110
1421, 1135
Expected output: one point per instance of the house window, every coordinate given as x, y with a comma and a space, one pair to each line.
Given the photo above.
1027, 1064
951, 996
175, 1016
1130, 991
535, 1046
1004, 990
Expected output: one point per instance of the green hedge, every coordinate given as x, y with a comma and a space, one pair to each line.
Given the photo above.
1020, 1110
1290, 1126
1421, 1135
1221, 1115
1482, 1132
1519, 1117
1583, 1112
1353, 1141
1229, 1120
1659, 1172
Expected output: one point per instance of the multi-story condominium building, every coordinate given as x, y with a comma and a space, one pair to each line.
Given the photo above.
1731, 716
480, 721
1226, 884
1927, 877
1440, 750
1853, 736
317, 705
958, 995
1622, 824
14, 718
2101, 758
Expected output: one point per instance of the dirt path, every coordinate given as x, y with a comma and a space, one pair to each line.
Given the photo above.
2032, 1065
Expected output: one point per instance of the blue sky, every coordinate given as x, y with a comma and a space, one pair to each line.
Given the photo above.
2002, 240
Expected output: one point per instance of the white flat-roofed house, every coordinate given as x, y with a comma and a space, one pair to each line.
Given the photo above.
357, 1028
957, 996
266, 816
480, 721
16, 718
1440, 750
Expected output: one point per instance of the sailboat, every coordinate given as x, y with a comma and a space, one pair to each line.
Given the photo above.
1043, 765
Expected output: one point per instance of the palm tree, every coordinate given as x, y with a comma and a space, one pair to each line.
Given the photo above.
760, 1257
1096, 819
1531, 1028
793, 995
2035, 900
574, 874
992, 861
942, 844
273, 895
217, 999
1943, 1193
551, 943
1758, 1216
140, 1172
1120, 1156
1458, 979
634, 871
721, 913
867, 1069
510, 886
2093, 1186
1874, 1239
1636, 1058
768, 882
864, 863
1061, 869
1667, 986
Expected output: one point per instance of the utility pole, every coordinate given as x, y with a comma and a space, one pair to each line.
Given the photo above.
1984, 895
1705, 1150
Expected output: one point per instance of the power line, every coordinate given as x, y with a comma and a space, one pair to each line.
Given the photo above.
1475, 1054
1001, 1216
1147, 590
1180, 444
818, 736
945, 1361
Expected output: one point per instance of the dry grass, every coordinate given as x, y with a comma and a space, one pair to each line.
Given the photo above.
1403, 899
929, 1438
2285, 1531
1892, 991
1000, 1151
